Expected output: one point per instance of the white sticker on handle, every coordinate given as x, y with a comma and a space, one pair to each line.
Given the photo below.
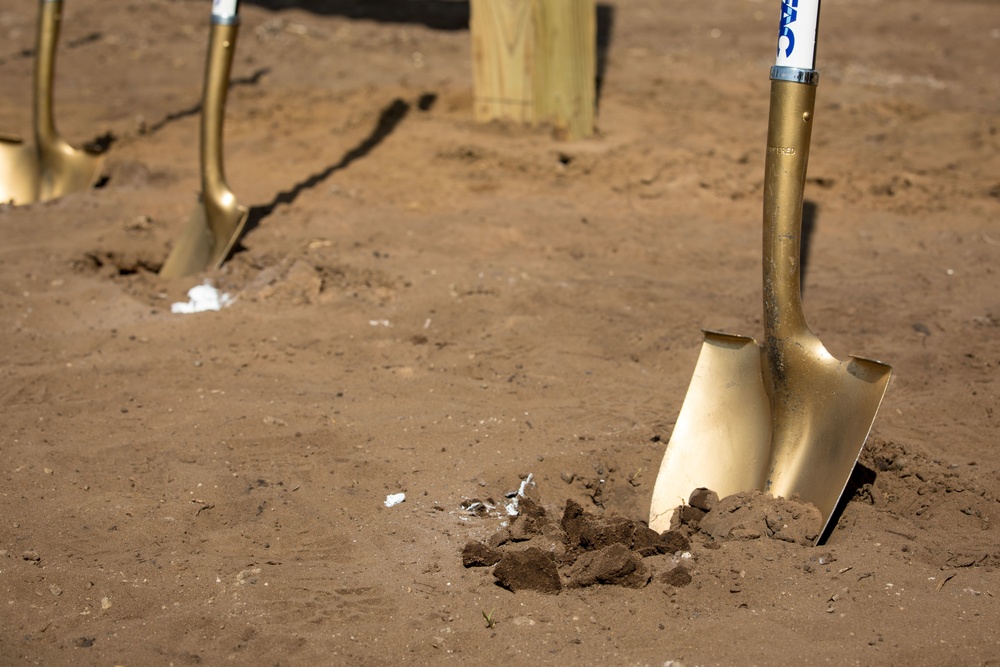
797, 34
224, 9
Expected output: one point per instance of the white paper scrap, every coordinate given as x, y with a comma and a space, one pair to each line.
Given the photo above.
394, 499
511, 507
201, 298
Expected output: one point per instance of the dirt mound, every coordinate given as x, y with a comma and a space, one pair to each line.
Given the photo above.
751, 515
945, 510
582, 549
585, 549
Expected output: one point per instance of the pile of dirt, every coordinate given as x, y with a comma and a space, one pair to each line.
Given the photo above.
751, 515
535, 552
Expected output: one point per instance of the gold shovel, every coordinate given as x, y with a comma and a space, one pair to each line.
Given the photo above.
786, 418
216, 223
51, 167
18, 171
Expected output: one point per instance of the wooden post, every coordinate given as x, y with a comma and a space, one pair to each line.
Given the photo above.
535, 62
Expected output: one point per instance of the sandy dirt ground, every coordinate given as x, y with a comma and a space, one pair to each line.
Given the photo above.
428, 306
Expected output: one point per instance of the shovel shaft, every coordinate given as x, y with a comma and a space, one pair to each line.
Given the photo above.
222, 45
49, 20
788, 139
789, 133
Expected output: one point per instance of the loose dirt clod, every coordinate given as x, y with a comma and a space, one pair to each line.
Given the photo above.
529, 569
588, 531
614, 564
477, 554
677, 577
703, 499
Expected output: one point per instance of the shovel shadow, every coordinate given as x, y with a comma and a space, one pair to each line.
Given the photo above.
861, 476
174, 116
30, 51
389, 119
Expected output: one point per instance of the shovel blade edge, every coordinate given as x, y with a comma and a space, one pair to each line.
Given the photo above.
815, 447
18, 171
65, 170
721, 440
206, 241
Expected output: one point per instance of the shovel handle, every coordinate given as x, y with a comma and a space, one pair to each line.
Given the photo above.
225, 12
797, 34
789, 131
49, 20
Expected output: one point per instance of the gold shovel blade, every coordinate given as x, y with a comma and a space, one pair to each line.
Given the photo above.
821, 414
721, 440
18, 171
731, 436
210, 234
65, 169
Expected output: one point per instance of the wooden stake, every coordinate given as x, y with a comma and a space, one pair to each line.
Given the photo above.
534, 62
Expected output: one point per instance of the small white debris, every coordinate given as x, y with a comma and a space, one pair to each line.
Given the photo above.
380, 323
201, 298
511, 507
394, 499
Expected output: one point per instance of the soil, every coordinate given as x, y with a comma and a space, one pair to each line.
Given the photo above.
430, 306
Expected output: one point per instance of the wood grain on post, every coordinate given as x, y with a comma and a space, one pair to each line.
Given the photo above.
534, 62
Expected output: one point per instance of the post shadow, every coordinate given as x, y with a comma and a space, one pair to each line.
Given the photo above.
30, 51
605, 29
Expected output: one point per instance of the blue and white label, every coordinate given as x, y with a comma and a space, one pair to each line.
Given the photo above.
224, 9
797, 34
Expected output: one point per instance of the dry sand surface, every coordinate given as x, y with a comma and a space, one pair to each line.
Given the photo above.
429, 306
